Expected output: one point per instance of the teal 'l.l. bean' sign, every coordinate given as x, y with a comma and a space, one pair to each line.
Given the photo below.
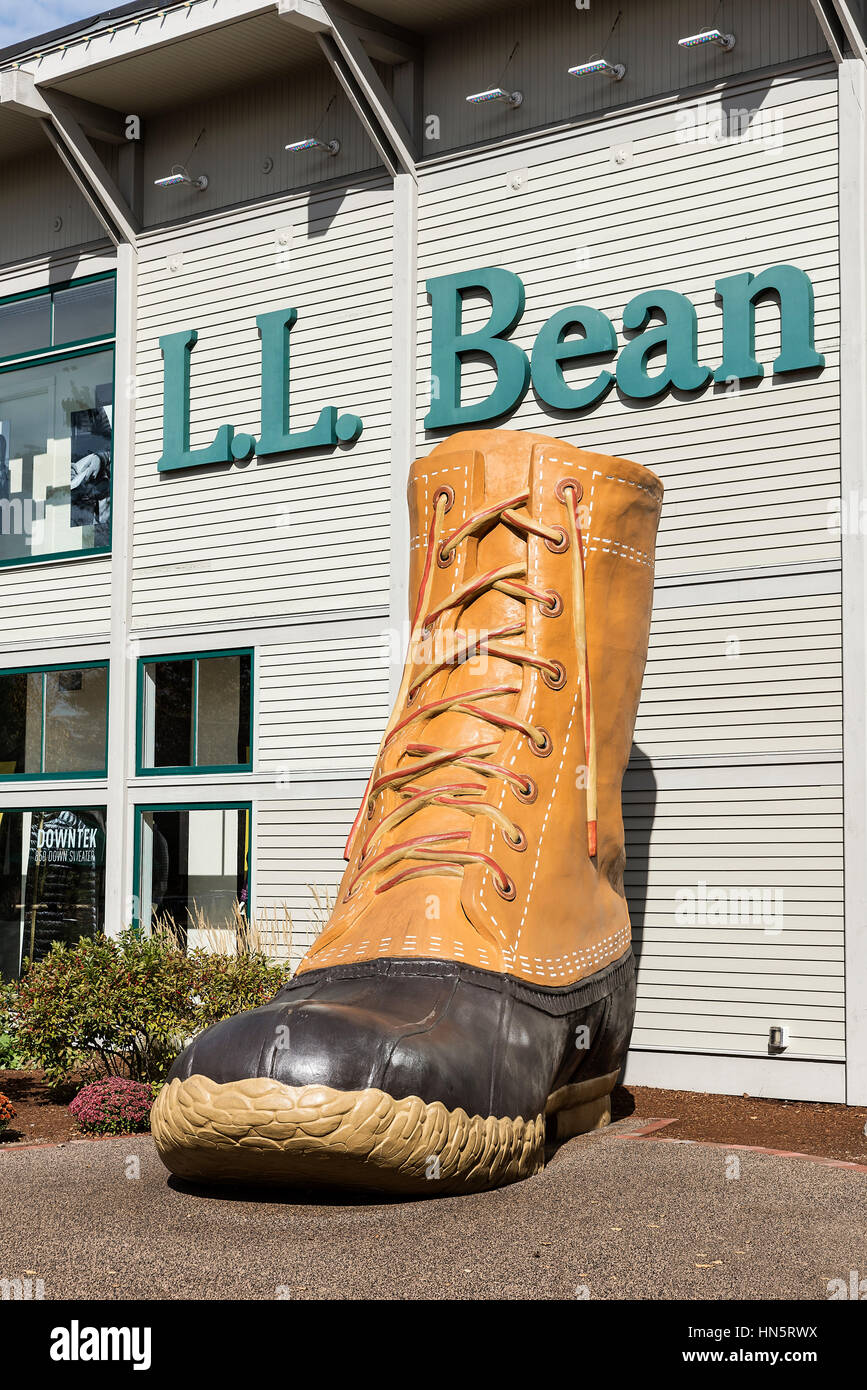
660, 353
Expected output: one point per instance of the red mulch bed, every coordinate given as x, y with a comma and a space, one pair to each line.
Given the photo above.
811, 1127
796, 1126
41, 1115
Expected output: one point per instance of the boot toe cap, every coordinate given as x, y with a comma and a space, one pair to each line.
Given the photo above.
299, 1043
440, 1037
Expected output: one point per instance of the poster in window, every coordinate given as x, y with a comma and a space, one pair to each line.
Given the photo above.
65, 882
5, 466
90, 485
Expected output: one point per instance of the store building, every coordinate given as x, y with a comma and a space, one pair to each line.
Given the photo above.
203, 553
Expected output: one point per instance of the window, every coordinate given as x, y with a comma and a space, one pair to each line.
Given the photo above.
56, 414
195, 713
192, 868
54, 722
52, 881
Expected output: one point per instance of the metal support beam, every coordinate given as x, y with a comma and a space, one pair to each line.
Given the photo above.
104, 195
119, 911
354, 55
840, 26
831, 27
404, 332
358, 103
387, 43
130, 175
853, 484
19, 92
98, 122
356, 74
853, 29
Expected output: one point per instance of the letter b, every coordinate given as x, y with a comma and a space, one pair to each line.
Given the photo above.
449, 345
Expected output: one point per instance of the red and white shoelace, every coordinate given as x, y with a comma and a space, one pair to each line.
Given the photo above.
447, 853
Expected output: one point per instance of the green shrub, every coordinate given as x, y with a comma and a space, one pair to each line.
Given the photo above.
12, 1051
126, 1006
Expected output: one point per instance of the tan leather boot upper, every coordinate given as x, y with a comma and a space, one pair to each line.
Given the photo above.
491, 832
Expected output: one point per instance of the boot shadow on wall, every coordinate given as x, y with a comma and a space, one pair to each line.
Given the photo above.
639, 809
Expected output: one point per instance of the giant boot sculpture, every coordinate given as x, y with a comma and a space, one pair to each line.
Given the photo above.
475, 980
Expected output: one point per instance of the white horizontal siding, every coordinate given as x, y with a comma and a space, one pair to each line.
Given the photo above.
322, 704
283, 535
719, 985
743, 677
55, 603
299, 848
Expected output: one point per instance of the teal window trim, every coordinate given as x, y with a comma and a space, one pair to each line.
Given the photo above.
57, 289
95, 774
40, 359
193, 769
107, 346
78, 348
142, 809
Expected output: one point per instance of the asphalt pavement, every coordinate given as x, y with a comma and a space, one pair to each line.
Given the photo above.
609, 1218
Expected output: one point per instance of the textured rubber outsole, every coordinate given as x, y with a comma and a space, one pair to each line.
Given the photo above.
259, 1130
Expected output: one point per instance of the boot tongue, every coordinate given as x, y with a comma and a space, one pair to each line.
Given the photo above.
486, 614
498, 546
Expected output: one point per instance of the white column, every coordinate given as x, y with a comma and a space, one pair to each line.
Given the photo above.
853, 389
122, 670
403, 387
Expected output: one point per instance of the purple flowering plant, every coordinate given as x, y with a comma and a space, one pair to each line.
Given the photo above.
115, 1105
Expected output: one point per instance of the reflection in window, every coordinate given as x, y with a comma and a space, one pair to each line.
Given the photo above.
53, 722
84, 312
55, 457
196, 712
25, 325
193, 867
52, 881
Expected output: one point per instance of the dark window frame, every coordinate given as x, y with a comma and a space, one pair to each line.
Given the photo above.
191, 769
95, 774
140, 810
60, 352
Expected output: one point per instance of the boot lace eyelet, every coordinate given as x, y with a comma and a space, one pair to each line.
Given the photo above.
568, 484
542, 749
370, 808
446, 492
528, 793
444, 561
518, 845
506, 888
562, 543
554, 607
555, 680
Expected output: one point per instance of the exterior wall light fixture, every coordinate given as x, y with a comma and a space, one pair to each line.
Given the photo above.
726, 41
331, 147
616, 71
180, 175
512, 99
